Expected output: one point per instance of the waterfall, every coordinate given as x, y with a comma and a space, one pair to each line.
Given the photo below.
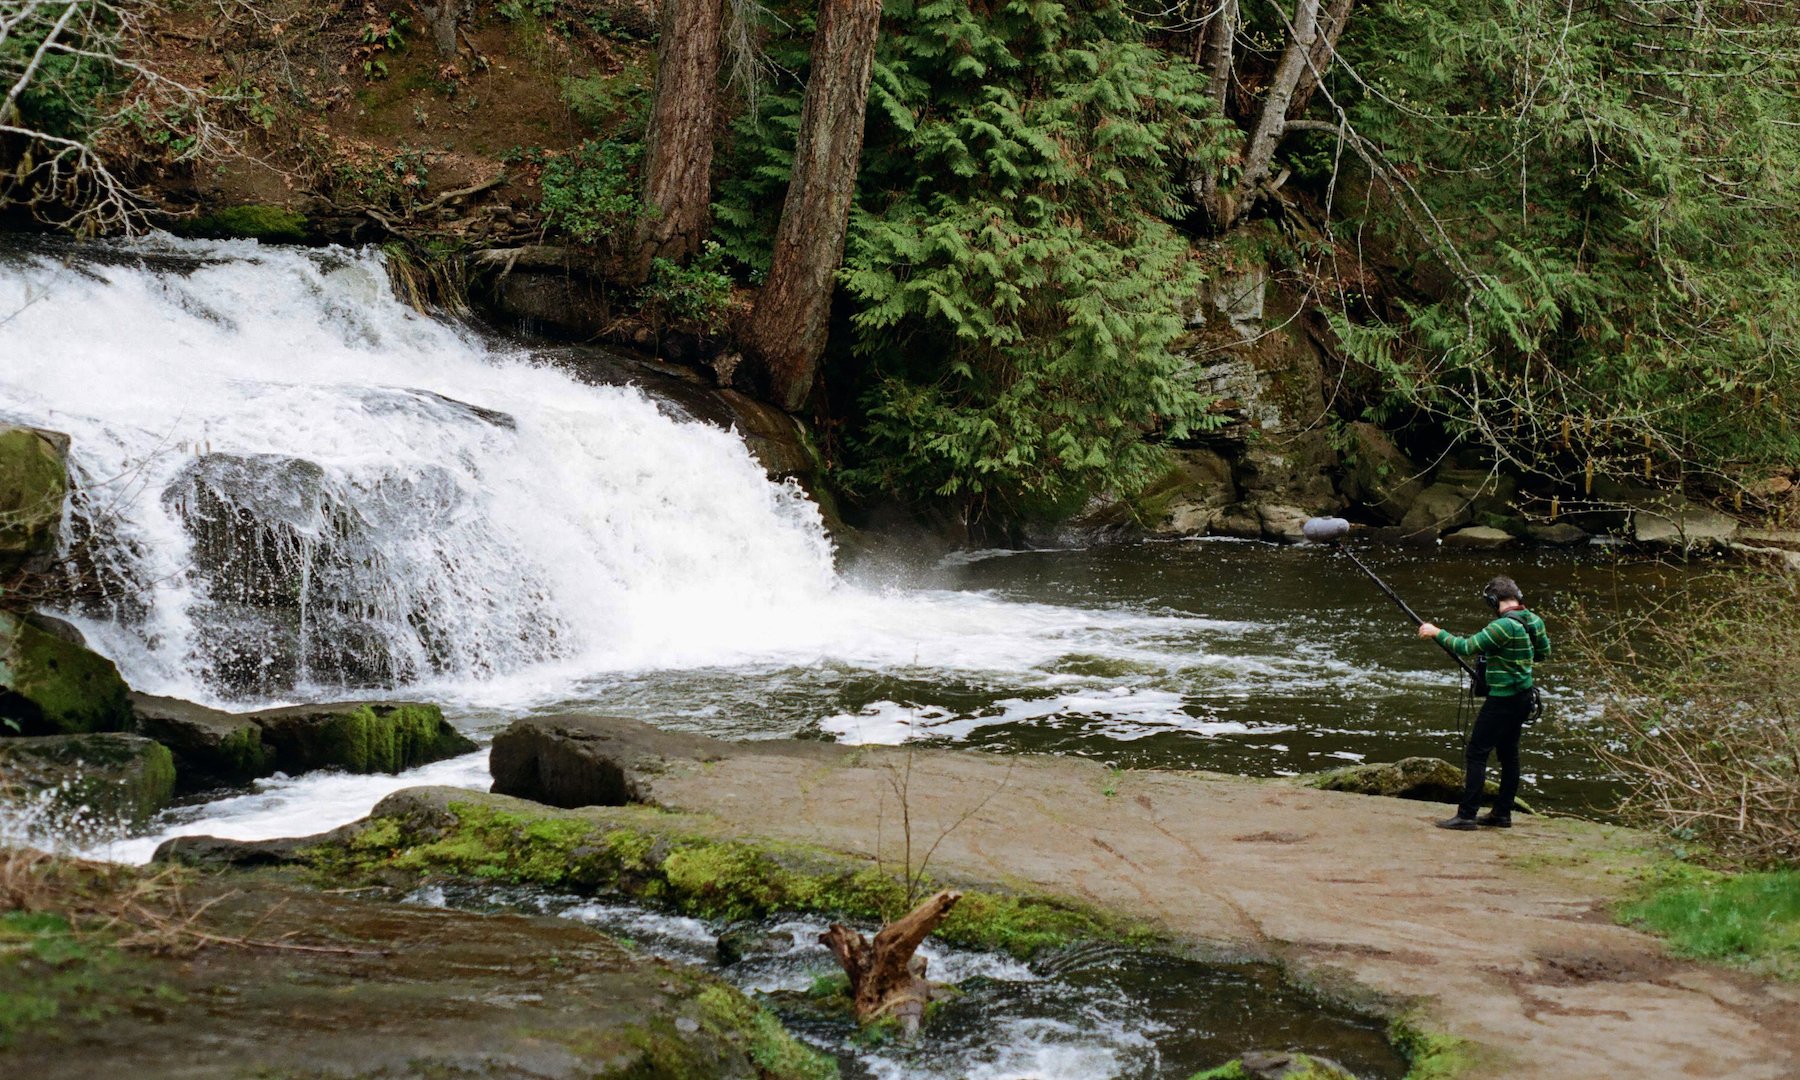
291, 482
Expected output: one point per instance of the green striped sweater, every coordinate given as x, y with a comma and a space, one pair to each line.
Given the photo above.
1511, 645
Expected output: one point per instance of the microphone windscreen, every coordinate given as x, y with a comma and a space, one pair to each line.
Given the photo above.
1323, 530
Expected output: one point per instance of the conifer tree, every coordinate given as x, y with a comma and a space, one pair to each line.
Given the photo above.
788, 328
679, 147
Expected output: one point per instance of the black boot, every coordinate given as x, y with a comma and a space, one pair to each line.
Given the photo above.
1495, 821
1459, 823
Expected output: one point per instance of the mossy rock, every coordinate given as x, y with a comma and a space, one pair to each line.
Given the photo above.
50, 685
273, 224
1422, 778
117, 778
359, 736
1266, 1065
34, 481
668, 859
212, 747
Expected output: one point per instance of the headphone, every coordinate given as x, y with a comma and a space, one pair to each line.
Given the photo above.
1492, 595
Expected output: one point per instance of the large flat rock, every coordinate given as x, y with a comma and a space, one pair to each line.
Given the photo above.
1500, 936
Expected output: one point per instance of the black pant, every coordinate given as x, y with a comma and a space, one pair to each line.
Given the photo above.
1497, 728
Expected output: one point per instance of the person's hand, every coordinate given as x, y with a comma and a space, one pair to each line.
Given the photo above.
1428, 630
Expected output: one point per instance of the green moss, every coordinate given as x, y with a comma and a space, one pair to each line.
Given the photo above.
387, 738
696, 875
774, 1051
255, 222
55, 687
33, 484
242, 755
1750, 920
51, 975
1231, 1070
1429, 1055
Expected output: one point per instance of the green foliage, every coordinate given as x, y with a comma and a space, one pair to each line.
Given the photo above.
67, 95
614, 103
775, 1052
591, 191
1617, 180
380, 40
514, 10
1016, 294
1749, 919
390, 182
698, 293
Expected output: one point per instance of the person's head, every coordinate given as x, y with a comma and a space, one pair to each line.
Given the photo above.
1499, 591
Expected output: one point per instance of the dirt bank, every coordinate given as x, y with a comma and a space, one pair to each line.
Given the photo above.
1499, 938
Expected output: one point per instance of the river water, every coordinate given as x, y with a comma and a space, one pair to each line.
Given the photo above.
295, 487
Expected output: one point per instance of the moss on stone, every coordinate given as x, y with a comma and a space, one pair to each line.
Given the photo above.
1231, 1070
254, 222
49, 686
386, 738
650, 857
775, 1052
97, 779
34, 481
1429, 1055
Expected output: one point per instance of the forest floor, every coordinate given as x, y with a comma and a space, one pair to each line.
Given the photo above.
1501, 938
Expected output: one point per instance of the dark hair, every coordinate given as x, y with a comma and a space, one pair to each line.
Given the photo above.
1501, 588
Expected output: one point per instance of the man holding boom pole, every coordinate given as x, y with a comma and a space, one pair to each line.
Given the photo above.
1511, 643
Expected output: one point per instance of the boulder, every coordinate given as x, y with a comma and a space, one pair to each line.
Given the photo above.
576, 760
1188, 498
1430, 779
1680, 524
1438, 508
211, 746
1377, 475
50, 685
1280, 522
34, 482
1241, 521
117, 778
1479, 538
358, 736
1422, 778
1556, 533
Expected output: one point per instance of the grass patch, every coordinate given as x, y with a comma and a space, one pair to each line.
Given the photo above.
1749, 920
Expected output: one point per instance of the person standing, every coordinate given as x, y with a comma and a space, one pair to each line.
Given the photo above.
1514, 641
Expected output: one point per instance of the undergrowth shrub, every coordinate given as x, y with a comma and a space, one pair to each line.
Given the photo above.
1700, 714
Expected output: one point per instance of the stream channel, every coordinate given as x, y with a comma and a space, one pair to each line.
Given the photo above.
295, 487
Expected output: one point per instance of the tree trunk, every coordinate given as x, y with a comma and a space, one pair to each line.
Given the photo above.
679, 145
1221, 37
1271, 122
787, 329
886, 979
1331, 27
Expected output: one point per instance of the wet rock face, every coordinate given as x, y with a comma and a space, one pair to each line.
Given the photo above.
50, 685
34, 481
1377, 475
574, 760
93, 780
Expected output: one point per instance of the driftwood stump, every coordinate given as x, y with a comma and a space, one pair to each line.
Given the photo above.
886, 979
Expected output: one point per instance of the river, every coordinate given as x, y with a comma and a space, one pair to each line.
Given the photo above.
295, 487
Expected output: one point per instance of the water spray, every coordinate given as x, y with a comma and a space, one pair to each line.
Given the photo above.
1330, 530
